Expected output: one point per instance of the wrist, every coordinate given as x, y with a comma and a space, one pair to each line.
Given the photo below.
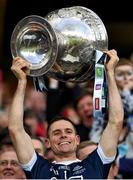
110, 73
22, 82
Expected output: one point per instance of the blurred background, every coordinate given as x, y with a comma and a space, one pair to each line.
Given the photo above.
118, 20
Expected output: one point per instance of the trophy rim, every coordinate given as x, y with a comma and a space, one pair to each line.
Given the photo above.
35, 70
82, 12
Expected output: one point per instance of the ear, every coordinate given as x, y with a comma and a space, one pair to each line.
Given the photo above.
47, 143
78, 139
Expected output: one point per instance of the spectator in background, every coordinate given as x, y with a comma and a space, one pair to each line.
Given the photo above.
39, 146
36, 125
5, 98
36, 101
85, 148
9, 165
124, 80
49, 155
84, 108
69, 112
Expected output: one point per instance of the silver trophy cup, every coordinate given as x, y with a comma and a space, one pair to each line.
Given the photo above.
61, 45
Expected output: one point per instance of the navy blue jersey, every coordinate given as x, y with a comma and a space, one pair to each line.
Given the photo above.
90, 168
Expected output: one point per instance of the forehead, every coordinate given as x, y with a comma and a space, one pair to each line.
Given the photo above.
87, 98
124, 68
8, 155
61, 124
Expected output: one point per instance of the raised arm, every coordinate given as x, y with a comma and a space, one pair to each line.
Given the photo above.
20, 138
110, 136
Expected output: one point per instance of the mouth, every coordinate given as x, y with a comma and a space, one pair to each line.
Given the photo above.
65, 142
8, 173
88, 115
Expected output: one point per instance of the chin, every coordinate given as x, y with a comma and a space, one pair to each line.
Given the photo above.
64, 150
9, 177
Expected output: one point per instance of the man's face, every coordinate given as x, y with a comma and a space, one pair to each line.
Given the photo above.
85, 108
124, 76
62, 137
9, 166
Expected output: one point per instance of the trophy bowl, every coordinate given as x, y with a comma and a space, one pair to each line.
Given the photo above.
62, 44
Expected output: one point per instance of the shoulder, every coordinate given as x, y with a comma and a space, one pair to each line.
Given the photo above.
99, 156
35, 160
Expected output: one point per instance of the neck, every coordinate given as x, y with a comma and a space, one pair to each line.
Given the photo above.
64, 157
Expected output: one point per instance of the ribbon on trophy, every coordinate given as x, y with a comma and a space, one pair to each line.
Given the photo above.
39, 84
100, 86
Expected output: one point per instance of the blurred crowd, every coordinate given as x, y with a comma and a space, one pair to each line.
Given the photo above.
74, 101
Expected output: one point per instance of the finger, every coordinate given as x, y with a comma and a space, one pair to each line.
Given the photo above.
111, 52
19, 60
20, 63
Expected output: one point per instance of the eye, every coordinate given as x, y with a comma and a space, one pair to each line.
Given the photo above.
3, 163
129, 73
57, 133
69, 131
119, 74
15, 163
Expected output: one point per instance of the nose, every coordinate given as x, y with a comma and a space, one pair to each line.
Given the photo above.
88, 108
9, 166
126, 77
63, 134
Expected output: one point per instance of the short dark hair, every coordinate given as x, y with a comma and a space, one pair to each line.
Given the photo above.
29, 113
59, 118
5, 139
124, 61
37, 138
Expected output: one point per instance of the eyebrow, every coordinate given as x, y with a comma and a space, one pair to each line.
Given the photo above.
9, 161
58, 130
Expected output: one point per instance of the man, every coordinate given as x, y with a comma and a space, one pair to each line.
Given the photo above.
84, 108
124, 81
62, 137
9, 165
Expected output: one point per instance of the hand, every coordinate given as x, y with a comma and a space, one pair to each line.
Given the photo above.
111, 64
20, 68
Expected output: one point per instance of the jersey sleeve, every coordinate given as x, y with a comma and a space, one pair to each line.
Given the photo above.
30, 164
104, 159
36, 167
